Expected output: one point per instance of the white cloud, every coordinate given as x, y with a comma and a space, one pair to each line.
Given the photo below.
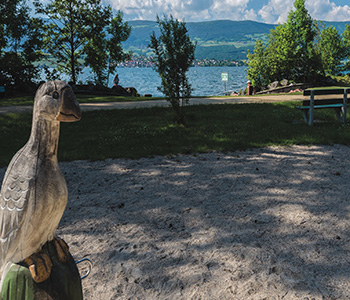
276, 11
269, 11
149, 9
326, 10
189, 10
232, 10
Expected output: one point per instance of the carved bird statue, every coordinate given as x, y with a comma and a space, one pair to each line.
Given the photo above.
34, 193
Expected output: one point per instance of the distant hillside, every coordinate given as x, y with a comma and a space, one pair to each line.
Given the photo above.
215, 39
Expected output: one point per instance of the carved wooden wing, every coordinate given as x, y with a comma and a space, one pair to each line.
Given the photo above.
13, 199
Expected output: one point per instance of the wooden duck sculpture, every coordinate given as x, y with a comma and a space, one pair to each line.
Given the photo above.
34, 193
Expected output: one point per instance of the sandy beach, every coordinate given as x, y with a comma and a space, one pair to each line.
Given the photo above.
268, 223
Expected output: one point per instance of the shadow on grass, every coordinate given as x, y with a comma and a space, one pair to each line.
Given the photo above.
139, 133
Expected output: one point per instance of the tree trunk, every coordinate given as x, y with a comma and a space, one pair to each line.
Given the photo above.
179, 116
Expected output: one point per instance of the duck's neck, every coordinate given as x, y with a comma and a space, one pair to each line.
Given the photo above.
43, 140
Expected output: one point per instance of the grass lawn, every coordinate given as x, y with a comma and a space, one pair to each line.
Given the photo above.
139, 133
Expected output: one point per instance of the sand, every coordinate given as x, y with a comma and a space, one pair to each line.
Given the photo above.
268, 223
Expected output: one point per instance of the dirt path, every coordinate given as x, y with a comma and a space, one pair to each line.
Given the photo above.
152, 103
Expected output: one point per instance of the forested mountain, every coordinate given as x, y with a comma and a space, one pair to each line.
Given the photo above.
215, 39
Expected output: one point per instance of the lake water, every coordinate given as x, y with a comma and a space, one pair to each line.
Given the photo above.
205, 81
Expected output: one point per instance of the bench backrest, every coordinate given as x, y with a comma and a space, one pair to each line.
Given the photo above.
328, 100
326, 92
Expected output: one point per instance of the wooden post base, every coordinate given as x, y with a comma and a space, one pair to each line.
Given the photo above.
64, 282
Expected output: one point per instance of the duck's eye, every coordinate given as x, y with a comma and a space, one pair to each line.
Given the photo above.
55, 95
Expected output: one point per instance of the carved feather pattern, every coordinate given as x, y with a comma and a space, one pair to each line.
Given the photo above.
15, 193
13, 199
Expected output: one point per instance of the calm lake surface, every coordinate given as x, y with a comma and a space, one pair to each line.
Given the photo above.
205, 81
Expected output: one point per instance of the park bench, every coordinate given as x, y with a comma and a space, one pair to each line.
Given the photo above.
330, 98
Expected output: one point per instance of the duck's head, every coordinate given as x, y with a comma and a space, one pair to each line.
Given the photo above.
55, 100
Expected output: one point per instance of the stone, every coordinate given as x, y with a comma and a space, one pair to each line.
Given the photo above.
132, 91
273, 85
284, 82
120, 91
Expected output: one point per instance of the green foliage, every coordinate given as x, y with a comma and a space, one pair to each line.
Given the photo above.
83, 29
346, 40
20, 42
95, 47
291, 52
257, 63
139, 133
119, 32
332, 50
105, 51
174, 55
18, 74
65, 32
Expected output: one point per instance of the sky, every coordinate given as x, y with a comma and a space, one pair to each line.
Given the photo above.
266, 11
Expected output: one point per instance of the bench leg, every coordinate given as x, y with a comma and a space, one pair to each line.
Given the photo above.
339, 114
345, 104
311, 110
306, 115
343, 110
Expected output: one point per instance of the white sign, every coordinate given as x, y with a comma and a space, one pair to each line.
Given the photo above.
224, 76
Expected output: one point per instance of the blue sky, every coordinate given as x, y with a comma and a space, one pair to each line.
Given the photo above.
267, 11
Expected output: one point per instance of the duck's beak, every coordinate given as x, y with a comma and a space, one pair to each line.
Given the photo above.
70, 109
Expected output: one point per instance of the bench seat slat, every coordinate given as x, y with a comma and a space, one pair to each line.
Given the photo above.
321, 106
324, 101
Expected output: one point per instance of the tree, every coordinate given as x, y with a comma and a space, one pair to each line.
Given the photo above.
291, 51
332, 50
174, 54
346, 40
279, 54
303, 31
105, 51
94, 47
76, 35
119, 31
257, 62
20, 43
66, 31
